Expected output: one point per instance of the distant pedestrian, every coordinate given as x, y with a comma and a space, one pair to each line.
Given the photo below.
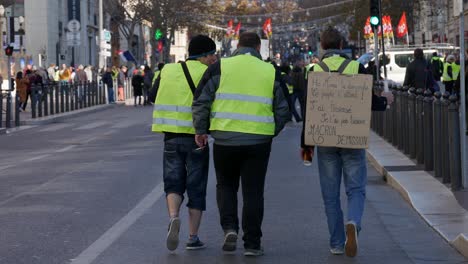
299, 86
137, 84
148, 80
185, 168
437, 67
107, 80
122, 75
450, 74
241, 103
336, 163
418, 72
22, 84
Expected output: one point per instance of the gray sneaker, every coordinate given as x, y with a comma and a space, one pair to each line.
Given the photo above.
351, 244
249, 252
230, 241
173, 234
337, 251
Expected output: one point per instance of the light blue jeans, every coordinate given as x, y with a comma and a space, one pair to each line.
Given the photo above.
351, 163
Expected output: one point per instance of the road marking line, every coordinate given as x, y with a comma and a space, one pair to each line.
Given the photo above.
65, 149
111, 235
38, 157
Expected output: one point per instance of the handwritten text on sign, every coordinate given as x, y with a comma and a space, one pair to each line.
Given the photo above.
338, 110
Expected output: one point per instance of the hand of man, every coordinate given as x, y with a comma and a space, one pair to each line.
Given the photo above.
201, 140
389, 97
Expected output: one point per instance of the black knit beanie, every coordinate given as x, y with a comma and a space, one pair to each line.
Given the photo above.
201, 46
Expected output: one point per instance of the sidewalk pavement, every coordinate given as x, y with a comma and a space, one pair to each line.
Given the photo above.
434, 202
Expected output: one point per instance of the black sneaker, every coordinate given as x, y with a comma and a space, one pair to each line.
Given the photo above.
194, 244
173, 234
250, 252
230, 241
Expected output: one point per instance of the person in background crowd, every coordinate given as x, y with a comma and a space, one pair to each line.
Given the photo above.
241, 102
64, 74
286, 78
418, 72
121, 82
137, 84
51, 72
437, 67
450, 73
107, 80
337, 163
299, 86
148, 79
185, 167
157, 72
22, 85
80, 75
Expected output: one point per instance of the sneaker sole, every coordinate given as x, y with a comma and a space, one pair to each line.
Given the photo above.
195, 248
251, 254
351, 241
230, 242
173, 235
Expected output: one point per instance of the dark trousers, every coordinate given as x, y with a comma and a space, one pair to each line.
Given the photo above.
246, 164
297, 95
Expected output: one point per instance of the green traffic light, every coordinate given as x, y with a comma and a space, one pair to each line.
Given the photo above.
374, 20
158, 34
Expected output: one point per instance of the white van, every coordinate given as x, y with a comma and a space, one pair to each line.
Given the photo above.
400, 57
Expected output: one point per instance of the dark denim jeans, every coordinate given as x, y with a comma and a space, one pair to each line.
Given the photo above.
249, 165
110, 94
186, 169
335, 164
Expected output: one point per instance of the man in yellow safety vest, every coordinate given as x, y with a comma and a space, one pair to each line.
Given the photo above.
185, 165
241, 103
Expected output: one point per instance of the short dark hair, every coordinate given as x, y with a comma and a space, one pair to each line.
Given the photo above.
331, 38
249, 40
418, 54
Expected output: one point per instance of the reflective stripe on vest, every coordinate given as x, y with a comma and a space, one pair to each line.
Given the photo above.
244, 99
455, 71
172, 110
334, 63
445, 76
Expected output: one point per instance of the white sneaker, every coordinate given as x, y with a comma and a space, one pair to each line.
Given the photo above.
173, 234
230, 241
337, 251
351, 244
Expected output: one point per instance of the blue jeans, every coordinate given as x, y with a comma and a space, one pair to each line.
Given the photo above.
110, 94
351, 163
185, 168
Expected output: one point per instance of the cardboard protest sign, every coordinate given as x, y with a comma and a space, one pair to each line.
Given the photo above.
338, 110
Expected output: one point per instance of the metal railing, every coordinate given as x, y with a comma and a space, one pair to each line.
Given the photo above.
425, 127
56, 98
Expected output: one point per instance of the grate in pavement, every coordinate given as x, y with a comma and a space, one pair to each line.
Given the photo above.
404, 168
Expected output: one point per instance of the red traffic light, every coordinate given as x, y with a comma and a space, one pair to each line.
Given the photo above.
9, 51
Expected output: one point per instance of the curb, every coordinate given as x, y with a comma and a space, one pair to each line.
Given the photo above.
415, 194
3, 131
63, 116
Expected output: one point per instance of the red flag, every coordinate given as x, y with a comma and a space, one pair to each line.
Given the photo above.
237, 31
368, 29
230, 29
267, 28
402, 28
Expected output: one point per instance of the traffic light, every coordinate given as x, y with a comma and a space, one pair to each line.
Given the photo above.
158, 34
9, 50
374, 12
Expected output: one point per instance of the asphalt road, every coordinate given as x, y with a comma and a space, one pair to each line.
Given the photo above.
89, 190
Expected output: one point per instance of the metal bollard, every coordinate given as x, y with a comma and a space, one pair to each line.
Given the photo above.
46, 99
437, 128
412, 122
17, 110
62, 97
395, 118
444, 139
428, 132
51, 96
399, 104
67, 98
88, 94
454, 144
404, 119
419, 126
1, 108
389, 118
33, 101
38, 96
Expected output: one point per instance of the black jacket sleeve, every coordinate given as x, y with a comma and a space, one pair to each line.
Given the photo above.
154, 90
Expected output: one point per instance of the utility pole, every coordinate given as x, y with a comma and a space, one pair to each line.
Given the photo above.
101, 37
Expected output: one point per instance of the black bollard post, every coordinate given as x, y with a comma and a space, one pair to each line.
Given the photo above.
437, 128
62, 97
38, 95
444, 139
404, 119
419, 126
17, 110
51, 97
395, 125
67, 98
46, 99
454, 144
33, 100
1, 108
412, 122
428, 132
